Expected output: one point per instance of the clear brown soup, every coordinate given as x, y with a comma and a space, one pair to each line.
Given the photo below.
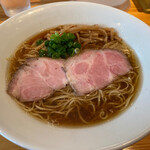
84, 114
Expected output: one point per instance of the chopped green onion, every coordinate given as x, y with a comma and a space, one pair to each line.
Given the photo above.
77, 50
60, 46
50, 51
54, 46
71, 36
70, 44
39, 42
55, 55
47, 43
76, 45
42, 53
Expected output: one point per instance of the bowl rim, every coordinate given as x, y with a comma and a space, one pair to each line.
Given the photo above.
68, 3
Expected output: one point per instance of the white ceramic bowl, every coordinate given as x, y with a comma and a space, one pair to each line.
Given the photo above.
30, 133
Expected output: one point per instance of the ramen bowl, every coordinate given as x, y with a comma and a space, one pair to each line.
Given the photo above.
28, 132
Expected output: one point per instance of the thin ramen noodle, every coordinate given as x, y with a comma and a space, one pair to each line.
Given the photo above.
64, 107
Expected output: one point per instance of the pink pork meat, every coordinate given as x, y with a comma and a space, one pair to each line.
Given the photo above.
37, 79
95, 69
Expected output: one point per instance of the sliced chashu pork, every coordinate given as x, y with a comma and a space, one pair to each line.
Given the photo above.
89, 71
37, 79
95, 69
